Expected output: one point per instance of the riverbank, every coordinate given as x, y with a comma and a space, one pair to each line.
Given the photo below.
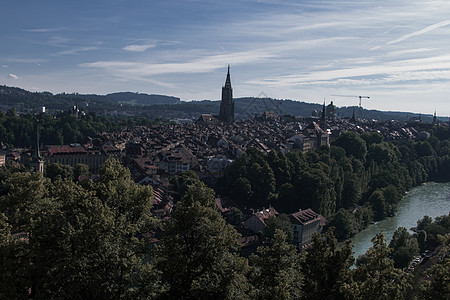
429, 199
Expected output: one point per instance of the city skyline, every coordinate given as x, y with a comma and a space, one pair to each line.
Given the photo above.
396, 52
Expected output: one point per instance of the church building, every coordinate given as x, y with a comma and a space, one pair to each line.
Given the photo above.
226, 113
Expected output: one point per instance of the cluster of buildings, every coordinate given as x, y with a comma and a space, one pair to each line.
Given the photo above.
207, 146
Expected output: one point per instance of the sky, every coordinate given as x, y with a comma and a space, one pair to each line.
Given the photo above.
395, 52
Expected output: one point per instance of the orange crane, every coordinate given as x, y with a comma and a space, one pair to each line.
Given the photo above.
354, 96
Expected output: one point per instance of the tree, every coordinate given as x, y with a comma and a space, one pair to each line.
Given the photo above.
75, 247
437, 284
424, 149
404, 247
280, 222
242, 190
235, 216
316, 191
381, 153
372, 138
287, 199
353, 144
376, 277
180, 183
277, 269
68, 242
125, 197
198, 256
133, 221
345, 223
327, 267
23, 202
80, 170
422, 239
379, 205
59, 171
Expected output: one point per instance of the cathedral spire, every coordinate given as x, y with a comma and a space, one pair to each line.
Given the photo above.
228, 80
226, 113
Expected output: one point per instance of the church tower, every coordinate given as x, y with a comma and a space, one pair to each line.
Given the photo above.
37, 163
226, 113
323, 119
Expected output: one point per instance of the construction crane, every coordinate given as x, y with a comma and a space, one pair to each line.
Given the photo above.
354, 96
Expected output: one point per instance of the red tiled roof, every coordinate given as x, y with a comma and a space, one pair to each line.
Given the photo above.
59, 149
220, 207
306, 216
264, 214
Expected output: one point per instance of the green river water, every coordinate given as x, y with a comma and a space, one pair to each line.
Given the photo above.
429, 199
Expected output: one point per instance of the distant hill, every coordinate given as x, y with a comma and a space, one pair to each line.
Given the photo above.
168, 107
141, 99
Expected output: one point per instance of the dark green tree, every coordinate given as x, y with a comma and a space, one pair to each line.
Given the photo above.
280, 222
404, 247
277, 270
326, 268
198, 256
180, 183
379, 205
59, 171
436, 285
68, 243
372, 138
235, 216
353, 144
287, 201
80, 170
376, 277
345, 224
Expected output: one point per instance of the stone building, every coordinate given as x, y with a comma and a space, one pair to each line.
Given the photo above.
304, 224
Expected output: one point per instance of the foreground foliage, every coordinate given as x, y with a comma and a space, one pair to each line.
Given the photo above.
64, 240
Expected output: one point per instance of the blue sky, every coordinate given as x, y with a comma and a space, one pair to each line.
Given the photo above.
397, 52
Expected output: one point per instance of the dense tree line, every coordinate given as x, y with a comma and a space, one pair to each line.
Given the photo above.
64, 128
358, 179
61, 239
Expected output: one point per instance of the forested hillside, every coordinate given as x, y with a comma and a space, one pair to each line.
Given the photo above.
169, 107
64, 128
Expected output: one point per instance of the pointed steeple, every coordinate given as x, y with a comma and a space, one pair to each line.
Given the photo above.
37, 163
228, 80
37, 153
226, 113
324, 117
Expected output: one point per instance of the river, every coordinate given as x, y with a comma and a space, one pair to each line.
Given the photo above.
430, 199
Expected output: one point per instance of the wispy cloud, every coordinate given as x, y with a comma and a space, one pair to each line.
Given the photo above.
46, 29
205, 64
425, 30
77, 50
59, 41
409, 51
138, 48
12, 76
433, 68
25, 60
4, 66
